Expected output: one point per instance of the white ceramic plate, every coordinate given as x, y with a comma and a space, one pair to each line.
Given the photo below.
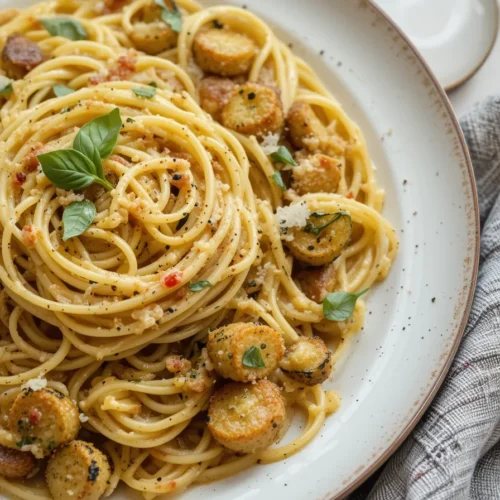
454, 36
416, 317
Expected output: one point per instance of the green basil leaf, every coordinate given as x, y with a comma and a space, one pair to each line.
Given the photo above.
172, 17
314, 229
278, 180
283, 156
146, 92
6, 90
339, 306
199, 286
65, 27
92, 153
26, 440
77, 217
101, 133
70, 169
253, 358
61, 90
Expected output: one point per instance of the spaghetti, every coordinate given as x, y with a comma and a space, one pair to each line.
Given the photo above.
99, 315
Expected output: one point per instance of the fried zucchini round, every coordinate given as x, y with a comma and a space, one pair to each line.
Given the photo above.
224, 52
20, 55
80, 468
323, 238
253, 109
151, 34
317, 283
153, 38
215, 93
15, 464
44, 420
308, 361
247, 417
245, 352
317, 174
303, 124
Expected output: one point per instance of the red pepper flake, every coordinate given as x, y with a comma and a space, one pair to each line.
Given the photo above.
30, 161
350, 195
35, 416
20, 179
172, 484
172, 279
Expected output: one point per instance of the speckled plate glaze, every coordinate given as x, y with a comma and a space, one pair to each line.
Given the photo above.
416, 317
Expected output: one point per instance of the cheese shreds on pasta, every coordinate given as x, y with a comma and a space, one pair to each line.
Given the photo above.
35, 384
293, 215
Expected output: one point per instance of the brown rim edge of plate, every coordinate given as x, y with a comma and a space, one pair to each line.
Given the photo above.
472, 72
437, 384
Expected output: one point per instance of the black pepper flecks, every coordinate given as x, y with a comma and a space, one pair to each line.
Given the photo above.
93, 471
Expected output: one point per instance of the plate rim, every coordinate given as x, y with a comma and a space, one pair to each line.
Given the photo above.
422, 407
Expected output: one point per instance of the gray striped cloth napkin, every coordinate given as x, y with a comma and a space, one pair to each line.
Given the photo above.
454, 452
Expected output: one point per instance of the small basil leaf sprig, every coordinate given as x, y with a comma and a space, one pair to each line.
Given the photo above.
61, 90
65, 27
6, 89
316, 229
282, 155
172, 17
339, 306
81, 166
253, 358
199, 286
146, 92
278, 180
97, 139
70, 169
77, 217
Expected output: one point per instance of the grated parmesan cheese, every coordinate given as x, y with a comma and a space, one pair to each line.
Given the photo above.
34, 449
147, 317
83, 418
293, 216
270, 143
260, 276
35, 384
